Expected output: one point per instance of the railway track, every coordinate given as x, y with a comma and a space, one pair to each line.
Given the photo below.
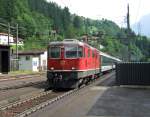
20, 106
22, 85
19, 77
13, 95
28, 106
22, 81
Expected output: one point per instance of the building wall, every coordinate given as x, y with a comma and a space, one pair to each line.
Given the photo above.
35, 63
4, 39
43, 61
25, 64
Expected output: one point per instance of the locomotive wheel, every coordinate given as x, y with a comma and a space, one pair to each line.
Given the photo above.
87, 80
80, 83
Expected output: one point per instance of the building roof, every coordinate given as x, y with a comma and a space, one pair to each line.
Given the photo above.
31, 52
5, 34
19, 39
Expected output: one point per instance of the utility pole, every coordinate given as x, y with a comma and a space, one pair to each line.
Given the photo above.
17, 42
8, 33
53, 34
86, 31
128, 18
128, 33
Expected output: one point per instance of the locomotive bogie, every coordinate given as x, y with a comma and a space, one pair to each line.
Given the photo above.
59, 81
70, 79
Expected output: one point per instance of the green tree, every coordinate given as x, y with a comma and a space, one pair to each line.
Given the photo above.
77, 22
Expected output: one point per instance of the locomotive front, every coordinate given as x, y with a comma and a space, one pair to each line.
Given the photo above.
64, 60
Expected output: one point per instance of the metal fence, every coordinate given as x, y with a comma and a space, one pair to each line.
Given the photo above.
133, 73
14, 65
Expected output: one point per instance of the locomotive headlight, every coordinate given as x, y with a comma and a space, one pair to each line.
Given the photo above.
52, 68
73, 68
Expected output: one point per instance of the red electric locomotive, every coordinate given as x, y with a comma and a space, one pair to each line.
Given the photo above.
71, 63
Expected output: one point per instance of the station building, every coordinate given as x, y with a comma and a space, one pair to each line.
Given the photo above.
4, 39
33, 60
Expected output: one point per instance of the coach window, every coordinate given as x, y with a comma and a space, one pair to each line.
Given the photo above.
55, 52
80, 52
71, 52
105, 61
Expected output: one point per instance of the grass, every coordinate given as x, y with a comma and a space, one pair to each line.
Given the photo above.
22, 72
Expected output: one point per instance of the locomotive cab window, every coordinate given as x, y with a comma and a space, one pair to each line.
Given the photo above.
54, 52
71, 52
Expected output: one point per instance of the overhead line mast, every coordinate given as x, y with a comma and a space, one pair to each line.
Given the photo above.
128, 33
128, 18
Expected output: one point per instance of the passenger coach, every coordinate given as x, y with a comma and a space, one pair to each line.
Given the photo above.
108, 62
71, 63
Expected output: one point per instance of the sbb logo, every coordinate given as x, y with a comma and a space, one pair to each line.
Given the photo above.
62, 62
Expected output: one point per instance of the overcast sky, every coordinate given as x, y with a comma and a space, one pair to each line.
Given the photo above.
114, 10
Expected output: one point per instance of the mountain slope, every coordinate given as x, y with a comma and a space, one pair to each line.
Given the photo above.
38, 20
143, 26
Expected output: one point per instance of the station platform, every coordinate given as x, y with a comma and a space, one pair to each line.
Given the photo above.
101, 101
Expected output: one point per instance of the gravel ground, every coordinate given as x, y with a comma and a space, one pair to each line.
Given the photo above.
12, 95
11, 112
